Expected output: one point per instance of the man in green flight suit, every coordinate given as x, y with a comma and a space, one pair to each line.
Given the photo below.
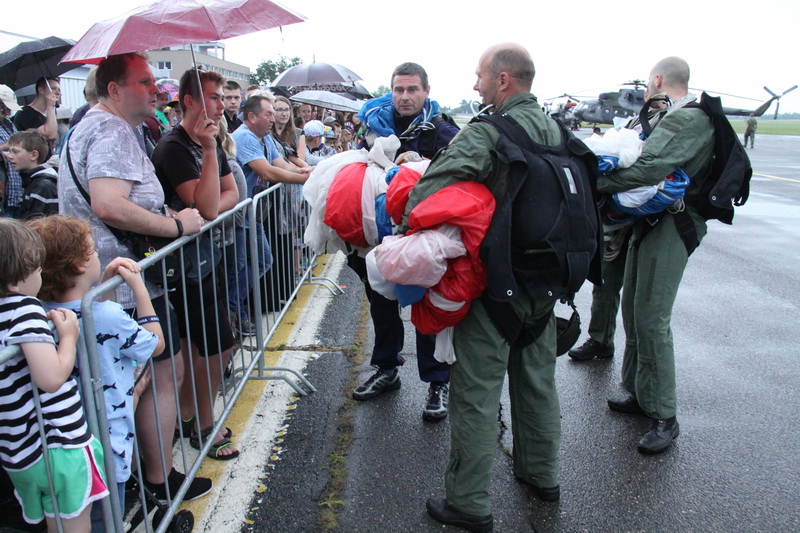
750, 130
657, 255
606, 297
505, 73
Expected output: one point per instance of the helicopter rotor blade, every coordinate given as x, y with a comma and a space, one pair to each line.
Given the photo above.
789, 90
770, 92
725, 94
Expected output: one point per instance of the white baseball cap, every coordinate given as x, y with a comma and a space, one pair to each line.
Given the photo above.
9, 98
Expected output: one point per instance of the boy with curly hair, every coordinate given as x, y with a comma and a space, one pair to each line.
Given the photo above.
70, 270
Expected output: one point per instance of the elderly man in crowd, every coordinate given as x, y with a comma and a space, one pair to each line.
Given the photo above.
505, 73
409, 114
263, 166
106, 161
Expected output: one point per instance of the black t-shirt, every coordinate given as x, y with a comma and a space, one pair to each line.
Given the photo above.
29, 119
232, 122
178, 159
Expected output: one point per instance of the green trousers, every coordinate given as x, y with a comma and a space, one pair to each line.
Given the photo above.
476, 383
606, 300
653, 272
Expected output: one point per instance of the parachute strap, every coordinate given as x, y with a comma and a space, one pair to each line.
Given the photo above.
683, 224
509, 325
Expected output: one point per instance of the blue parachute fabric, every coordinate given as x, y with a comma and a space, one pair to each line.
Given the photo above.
391, 173
606, 164
382, 219
673, 189
409, 294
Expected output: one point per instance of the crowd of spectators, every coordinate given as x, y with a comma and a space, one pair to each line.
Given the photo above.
140, 159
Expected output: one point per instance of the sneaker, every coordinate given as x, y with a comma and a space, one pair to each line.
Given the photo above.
243, 327
591, 349
436, 407
200, 486
381, 381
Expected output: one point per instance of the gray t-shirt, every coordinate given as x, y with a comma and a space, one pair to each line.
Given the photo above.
105, 146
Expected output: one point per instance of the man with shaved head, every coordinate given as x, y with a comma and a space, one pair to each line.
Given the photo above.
504, 76
658, 252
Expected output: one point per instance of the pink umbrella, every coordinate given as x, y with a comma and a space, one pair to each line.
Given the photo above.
178, 22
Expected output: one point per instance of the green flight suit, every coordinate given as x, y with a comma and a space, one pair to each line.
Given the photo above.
483, 356
750, 131
655, 262
606, 300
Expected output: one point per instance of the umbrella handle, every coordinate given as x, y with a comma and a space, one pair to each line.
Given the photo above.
199, 85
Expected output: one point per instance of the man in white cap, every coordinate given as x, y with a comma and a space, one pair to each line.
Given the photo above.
12, 184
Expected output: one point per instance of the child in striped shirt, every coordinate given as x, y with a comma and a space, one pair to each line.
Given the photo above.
75, 456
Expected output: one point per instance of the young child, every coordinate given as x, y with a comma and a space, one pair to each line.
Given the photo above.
70, 270
27, 151
75, 456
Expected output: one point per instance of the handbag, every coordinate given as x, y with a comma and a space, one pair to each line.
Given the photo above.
200, 256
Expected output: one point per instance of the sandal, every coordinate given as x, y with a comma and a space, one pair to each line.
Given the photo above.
188, 427
213, 453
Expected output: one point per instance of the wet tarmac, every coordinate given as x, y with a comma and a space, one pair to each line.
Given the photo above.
735, 467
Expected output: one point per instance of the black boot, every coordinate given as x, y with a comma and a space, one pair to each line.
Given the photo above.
441, 511
660, 435
628, 405
591, 349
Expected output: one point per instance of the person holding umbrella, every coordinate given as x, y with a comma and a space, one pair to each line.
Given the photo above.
40, 115
110, 163
193, 169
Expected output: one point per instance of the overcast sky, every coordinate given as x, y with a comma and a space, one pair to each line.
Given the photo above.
579, 47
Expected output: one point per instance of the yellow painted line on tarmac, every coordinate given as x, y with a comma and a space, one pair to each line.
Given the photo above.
776, 177
254, 389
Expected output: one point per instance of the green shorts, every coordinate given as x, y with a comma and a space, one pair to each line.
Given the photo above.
78, 481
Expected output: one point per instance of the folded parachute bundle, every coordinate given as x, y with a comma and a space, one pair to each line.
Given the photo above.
615, 149
447, 228
620, 149
342, 192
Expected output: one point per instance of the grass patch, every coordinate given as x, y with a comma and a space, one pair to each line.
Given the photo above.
767, 126
337, 460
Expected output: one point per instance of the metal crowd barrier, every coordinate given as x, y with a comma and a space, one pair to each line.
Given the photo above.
280, 211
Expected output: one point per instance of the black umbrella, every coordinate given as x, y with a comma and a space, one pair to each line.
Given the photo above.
27, 62
315, 73
359, 91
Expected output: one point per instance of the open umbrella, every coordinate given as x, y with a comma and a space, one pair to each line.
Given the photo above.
315, 73
178, 22
24, 64
359, 91
327, 100
168, 85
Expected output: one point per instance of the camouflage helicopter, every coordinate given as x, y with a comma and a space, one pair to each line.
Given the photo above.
620, 104
628, 101
563, 110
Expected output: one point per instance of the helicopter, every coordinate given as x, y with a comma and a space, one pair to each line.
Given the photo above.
760, 110
563, 111
627, 102
621, 104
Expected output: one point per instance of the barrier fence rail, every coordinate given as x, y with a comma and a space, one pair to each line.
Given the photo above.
225, 322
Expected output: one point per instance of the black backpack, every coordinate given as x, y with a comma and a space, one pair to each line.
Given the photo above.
728, 184
546, 232
728, 177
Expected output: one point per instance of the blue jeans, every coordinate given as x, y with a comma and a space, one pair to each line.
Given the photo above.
240, 280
